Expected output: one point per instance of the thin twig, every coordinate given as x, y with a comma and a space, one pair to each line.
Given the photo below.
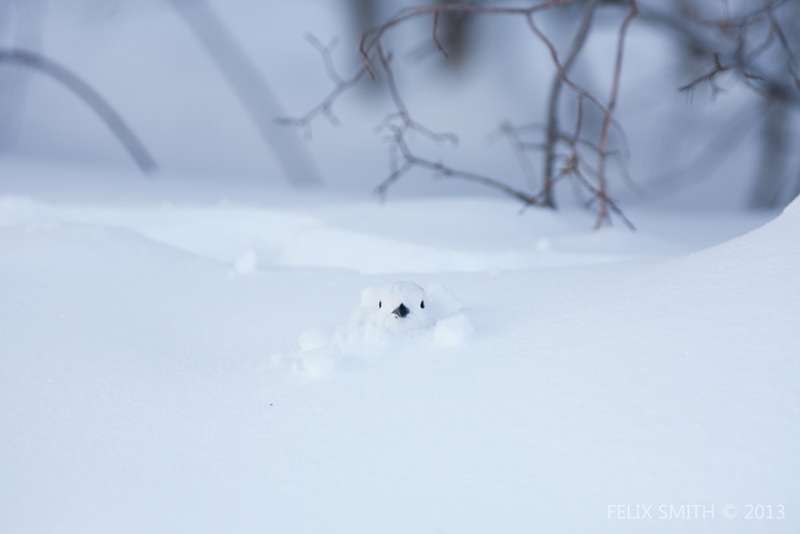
411, 161
709, 76
435, 35
341, 85
402, 113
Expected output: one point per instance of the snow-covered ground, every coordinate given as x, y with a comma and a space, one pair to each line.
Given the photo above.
179, 353
140, 391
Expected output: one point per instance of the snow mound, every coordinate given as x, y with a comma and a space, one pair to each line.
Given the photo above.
453, 331
394, 317
401, 238
245, 264
761, 257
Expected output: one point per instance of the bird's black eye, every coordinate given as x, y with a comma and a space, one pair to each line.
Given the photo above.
422, 304
380, 304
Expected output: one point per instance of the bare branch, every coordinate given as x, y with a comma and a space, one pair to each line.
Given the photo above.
400, 123
250, 87
129, 140
519, 147
401, 113
601, 196
791, 59
372, 37
552, 107
742, 60
709, 77
604, 201
341, 85
436, 34
411, 161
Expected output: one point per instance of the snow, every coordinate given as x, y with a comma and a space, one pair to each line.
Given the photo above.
188, 352
141, 390
453, 331
246, 263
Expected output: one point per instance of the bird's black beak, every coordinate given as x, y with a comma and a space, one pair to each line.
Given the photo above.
400, 311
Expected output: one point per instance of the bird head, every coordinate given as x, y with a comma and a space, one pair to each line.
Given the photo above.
397, 306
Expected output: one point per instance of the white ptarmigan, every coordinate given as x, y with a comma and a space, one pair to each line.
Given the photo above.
385, 316
394, 308
399, 310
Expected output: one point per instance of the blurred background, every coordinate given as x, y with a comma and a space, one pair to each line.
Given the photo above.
200, 84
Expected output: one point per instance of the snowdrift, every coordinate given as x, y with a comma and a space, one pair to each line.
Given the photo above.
139, 397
